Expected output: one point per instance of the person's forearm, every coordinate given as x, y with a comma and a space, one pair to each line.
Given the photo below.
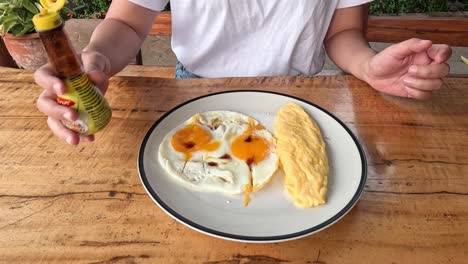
117, 41
350, 52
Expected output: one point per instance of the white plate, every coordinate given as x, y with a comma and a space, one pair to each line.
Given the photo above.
270, 216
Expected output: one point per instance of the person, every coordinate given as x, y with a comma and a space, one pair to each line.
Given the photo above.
251, 38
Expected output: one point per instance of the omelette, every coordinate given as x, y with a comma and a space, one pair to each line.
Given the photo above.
220, 151
301, 150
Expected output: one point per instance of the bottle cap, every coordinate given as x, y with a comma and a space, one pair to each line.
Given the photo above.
49, 17
53, 5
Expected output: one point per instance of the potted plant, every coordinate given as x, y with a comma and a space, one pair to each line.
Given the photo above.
18, 33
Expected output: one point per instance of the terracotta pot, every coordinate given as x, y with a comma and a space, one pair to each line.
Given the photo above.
5, 59
27, 51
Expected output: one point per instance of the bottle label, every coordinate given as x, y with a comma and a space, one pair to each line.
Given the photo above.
65, 102
88, 101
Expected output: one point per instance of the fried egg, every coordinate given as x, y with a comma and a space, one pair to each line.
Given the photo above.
220, 151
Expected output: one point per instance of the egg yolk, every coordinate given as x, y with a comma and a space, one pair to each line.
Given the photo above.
193, 138
247, 189
250, 148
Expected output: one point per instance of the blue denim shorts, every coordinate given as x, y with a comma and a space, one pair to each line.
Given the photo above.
183, 73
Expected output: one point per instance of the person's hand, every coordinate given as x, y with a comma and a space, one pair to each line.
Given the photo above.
96, 65
413, 68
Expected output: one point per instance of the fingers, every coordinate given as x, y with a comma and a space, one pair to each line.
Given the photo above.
418, 94
46, 77
47, 104
429, 71
409, 47
62, 131
87, 138
66, 134
423, 84
424, 79
439, 53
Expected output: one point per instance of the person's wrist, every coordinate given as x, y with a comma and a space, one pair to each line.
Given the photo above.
364, 69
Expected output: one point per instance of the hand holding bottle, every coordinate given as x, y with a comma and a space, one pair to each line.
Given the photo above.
96, 66
66, 80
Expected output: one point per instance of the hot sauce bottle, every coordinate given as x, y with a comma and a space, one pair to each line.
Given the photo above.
81, 95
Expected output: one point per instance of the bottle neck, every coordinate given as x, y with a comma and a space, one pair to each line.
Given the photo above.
60, 52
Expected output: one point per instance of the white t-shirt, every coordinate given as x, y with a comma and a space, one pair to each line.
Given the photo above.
222, 38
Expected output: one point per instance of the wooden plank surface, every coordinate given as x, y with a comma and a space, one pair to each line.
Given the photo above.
447, 30
148, 71
85, 204
162, 25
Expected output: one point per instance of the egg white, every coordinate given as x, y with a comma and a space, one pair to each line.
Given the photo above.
229, 176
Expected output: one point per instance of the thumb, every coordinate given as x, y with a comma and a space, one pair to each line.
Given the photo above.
409, 47
100, 79
95, 61
98, 67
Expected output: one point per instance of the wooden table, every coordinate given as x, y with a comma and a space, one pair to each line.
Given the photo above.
85, 204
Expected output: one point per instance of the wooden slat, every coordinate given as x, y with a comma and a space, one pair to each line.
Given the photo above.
392, 29
449, 30
162, 25
148, 71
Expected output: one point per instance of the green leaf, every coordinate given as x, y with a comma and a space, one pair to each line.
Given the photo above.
4, 6
30, 7
7, 10
7, 23
17, 3
38, 5
8, 18
14, 4
16, 16
67, 10
28, 28
16, 30
8, 26
11, 16
465, 60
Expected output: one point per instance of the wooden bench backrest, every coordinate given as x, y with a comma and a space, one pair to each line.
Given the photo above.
443, 30
451, 31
